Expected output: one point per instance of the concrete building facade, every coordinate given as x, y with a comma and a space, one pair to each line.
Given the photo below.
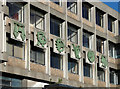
74, 43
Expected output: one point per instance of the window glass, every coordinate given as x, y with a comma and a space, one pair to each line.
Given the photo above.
99, 18
112, 76
55, 27
16, 11
86, 11
37, 55
59, 2
119, 28
8, 82
117, 51
100, 45
72, 65
72, 6
18, 50
37, 18
118, 77
100, 73
56, 60
87, 40
87, 69
111, 48
9, 48
72, 34
111, 24
16, 83
14, 48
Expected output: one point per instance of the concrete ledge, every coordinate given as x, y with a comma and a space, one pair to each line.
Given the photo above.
56, 72
88, 80
72, 76
111, 34
100, 28
85, 21
101, 84
37, 67
72, 15
15, 62
112, 85
56, 7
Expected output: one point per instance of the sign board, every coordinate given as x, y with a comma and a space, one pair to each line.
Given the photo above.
75, 52
18, 31
40, 39
58, 46
90, 57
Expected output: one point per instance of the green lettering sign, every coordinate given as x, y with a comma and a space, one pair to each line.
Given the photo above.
19, 28
104, 61
76, 50
59, 45
91, 56
41, 39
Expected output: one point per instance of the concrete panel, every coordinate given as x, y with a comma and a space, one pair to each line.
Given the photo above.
57, 13
40, 5
56, 7
72, 76
56, 72
37, 67
15, 62
101, 84
72, 15
74, 21
99, 33
88, 80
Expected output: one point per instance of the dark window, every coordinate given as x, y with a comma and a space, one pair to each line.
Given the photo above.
8, 82
58, 2
119, 28
72, 34
72, 6
37, 55
16, 11
100, 45
37, 18
100, 73
111, 48
86, 11
111, 24
14, 48
87, 39
72, 65
99, 18
118, 77
55, 27
55, 60
87, 69
114, 76
117, 50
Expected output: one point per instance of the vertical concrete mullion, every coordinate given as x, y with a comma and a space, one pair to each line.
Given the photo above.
94, 66
27, 28
96, 79
116, 28
65, 57
47, 30
79, 9
3, 35
107, 48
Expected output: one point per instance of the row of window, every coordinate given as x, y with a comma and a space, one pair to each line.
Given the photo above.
9, 83
13, 81
37, 16
37, 19
37, 55
86, 13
